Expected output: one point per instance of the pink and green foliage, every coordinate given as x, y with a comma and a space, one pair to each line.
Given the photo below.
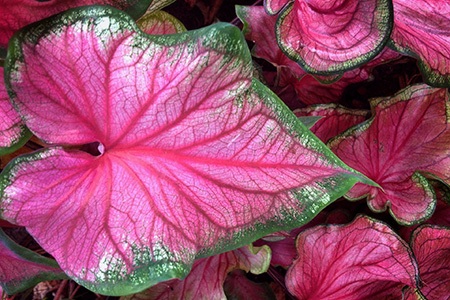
207, 277
164, 149
407, 137
431, 247
259, 28
362, 260
18, 13
422, 30
335, 119
327, 37
21, 268
170, 172
273, 7
13, 133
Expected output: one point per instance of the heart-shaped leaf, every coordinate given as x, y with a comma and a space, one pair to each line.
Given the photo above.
409, 132
21, 268
13, 133
206, 279
192, 156
422, 30
431, 247
18, 13
362, 260
329, 37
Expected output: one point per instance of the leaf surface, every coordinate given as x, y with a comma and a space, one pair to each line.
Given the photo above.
21, 268
334, 120
192, 157
431, 247
408, 133
160, 22
18, 13
329, 37
362, 260
207, 277
422, 30
13, 133
273, 7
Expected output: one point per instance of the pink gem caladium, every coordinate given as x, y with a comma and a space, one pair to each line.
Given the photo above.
408, 135
431, 247
422, 30
207, 277
362, 260
21, 268
18, 13
327, 37
13, 133
194, 156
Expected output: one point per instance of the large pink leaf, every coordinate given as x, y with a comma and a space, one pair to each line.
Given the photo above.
192, 155
206, 279
409, 133
21, 268
431, 247
327, 37
13, 133
422, 30
362, 260
18, 13
335, 119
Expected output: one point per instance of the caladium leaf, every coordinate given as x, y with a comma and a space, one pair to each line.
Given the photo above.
274, 6
431, 247
334, 120
21, 268
160, 22
156, 5
259, 28
192, 156
206, 279
18, 13
13, 133
409, 132
422, 30
362, 260
328, 37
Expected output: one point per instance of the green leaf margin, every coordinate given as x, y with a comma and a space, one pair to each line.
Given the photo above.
16, 287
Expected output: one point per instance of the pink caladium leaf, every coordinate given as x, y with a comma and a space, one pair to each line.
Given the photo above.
362, 260
21, 268
328, 37
188, 156
422, 30
18, 13
431, 247
207, 277
13, 133
160, 22
273, 7
259, 27
407, 136
335, 119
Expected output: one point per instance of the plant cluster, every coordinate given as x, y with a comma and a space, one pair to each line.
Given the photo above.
179, 164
